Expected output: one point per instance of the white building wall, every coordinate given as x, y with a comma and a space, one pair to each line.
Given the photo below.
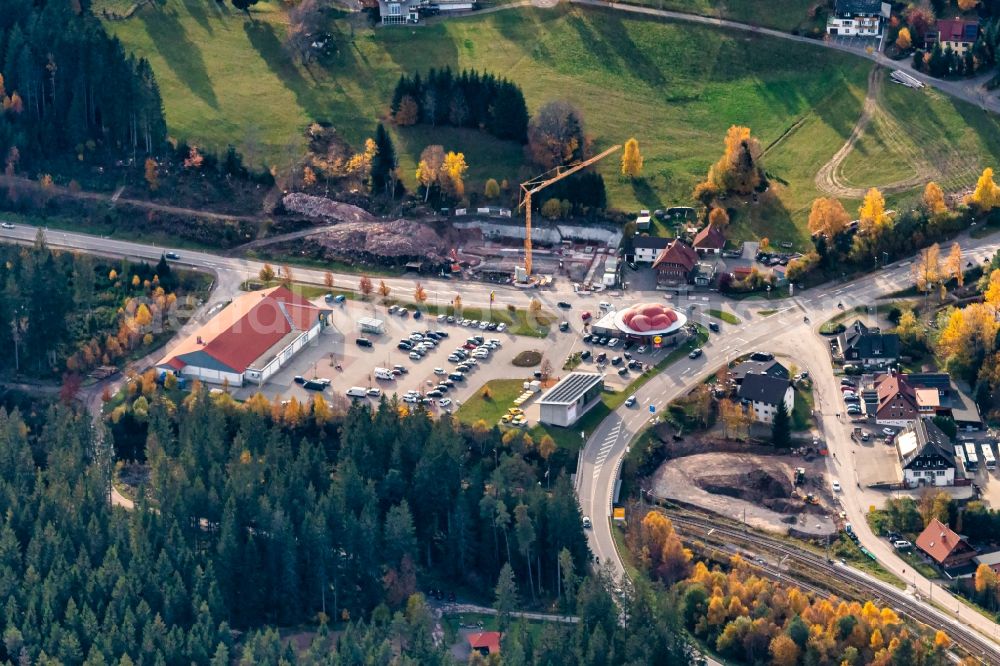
646, 255
913, 478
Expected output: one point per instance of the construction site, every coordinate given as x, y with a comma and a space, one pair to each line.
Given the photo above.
486, 243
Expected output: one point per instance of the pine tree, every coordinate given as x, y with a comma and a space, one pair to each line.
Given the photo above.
781, 433
383, 167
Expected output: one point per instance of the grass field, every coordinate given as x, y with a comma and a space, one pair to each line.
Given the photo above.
502, 394
787, 15
676, 87
923, 133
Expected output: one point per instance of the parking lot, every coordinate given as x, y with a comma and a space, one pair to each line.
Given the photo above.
335, 356
857, 42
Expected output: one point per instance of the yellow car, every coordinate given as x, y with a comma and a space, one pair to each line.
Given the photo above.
506, 418
515, 411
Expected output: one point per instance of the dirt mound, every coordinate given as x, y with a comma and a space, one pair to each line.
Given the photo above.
321, 208
756, 486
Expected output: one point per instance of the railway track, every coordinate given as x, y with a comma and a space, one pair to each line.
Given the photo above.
694, 525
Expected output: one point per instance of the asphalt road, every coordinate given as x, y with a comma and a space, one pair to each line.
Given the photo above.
784, 330
788, 333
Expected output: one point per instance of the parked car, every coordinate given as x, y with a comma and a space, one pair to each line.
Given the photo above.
172, 256
444, 402
622, 372
641, 349
835, 485
299, 379
617, 360
375, 392
695, 353
613, 342
585, 355
902, 544
364, 342
564, 305
434, 393
713, 327
630, 402
585, 316
888, 431
415, 356
314, 385
564, 326
501, 327
439, 371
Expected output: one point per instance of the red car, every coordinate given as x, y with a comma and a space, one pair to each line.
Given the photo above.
585, 316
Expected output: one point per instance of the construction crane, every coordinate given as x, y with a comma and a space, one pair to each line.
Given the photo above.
537, 184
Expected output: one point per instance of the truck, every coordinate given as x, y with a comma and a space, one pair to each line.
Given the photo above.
357, 392
384, 373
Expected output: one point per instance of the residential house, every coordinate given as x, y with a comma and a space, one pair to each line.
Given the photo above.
710, 240
401, 12
944, 546
764, 393
926, 455
772, 368
249, 340
959, 35
862, 18
648, 248
992, 560
675, 264
901, 398
868, 345
485, 642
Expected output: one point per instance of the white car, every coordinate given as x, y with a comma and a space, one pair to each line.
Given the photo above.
641, 349
444, 402
439, 371
613, 342
375, 392
631, 401
501, 327
6, 225
414, 356
442, 318
586, 523
483, 325
835, 485
412, 399
481, 354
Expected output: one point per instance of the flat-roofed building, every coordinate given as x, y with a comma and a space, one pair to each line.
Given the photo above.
571, 398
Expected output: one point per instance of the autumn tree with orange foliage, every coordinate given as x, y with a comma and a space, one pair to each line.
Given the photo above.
739, 170
934, 199
661, 548
828, 217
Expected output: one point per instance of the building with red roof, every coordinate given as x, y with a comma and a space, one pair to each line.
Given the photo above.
249, 340
944, 546
958, 35
710, 240
485, 642
675, 264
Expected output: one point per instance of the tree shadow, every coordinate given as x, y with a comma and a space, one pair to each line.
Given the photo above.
267, 44
182, 56
198, 11
645, 194
626, 57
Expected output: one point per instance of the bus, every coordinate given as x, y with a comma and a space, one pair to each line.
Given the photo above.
971, 459
960, 457
988, 458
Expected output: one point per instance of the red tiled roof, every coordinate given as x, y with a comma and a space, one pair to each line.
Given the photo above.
896, 398
247, 328
679, 253
710, 238
957, 30
488, 640
940, 541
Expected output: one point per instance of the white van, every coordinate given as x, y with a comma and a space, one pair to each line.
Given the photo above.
357, 392
384, 373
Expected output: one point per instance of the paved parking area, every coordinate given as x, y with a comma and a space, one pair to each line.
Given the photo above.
855, 41
336, 346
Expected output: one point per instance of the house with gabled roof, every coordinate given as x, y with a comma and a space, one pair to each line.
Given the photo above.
675, 264
710, 240
925, 455
249, 340
862, 18
944, 546
868, 345
959, 35
763, 393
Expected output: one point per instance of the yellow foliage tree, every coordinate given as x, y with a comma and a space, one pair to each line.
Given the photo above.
927, 267
492, 189
872, 211
286, 276
903, 39
383, 289
992, 294
429, 168
828, 217
934, 199
718, 218
321, 412
631, 159
941, 640
668, 558
876, 642
986, 196
784, 651
455, 169
967, 5
953, 264
152, 174
266, 274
